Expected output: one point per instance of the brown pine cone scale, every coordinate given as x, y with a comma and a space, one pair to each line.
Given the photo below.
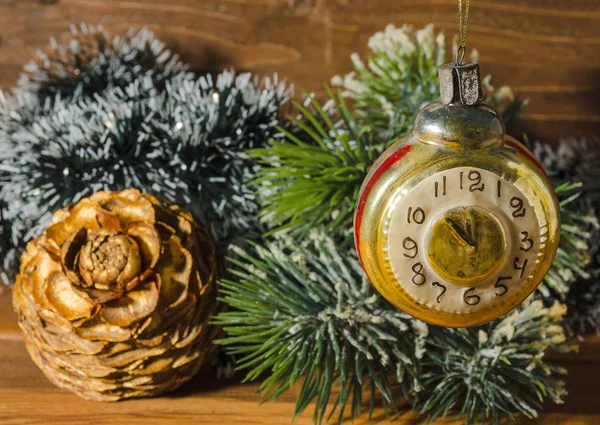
116, 296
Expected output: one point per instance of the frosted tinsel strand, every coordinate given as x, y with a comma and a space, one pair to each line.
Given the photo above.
185, 143
84, 67
576, 160
92, 61
307, 313
6, 241
584, 306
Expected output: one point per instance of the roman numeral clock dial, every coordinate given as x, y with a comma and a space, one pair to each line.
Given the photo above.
457, 223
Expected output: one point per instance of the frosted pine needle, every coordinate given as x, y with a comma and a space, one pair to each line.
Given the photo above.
309, 315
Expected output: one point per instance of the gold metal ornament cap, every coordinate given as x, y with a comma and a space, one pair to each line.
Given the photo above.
460, 119
460, 84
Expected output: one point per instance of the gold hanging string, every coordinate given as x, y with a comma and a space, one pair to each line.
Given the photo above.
462, 32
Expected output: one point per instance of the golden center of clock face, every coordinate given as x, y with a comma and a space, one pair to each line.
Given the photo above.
466, 245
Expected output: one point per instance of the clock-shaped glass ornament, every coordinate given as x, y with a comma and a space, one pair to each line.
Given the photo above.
457, 223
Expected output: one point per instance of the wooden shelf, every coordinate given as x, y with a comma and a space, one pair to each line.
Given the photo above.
27, 398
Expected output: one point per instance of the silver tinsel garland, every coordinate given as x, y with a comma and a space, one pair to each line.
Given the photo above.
153, 127
93, 61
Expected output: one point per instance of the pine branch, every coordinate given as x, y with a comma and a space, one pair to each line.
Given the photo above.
314, 176
314, 179
307, 314
583, 303
401, 75
494, 370
575, 160
578, 228
466, 367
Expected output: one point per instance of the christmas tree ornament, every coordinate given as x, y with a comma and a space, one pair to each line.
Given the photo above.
115, 297
457, 223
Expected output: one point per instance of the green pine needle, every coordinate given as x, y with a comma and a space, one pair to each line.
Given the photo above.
314, 179
307, 314
573, 256
494, 370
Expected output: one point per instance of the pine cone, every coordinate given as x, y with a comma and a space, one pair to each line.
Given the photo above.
116, 296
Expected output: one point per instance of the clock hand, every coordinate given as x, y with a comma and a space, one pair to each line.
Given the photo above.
460, 234
470, 227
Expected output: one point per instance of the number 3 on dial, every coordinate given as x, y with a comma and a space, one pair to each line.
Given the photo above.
527, 242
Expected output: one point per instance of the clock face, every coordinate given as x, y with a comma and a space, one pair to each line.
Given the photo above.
462, 241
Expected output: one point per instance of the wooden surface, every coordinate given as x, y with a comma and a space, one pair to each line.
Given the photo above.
27, 398
548, 50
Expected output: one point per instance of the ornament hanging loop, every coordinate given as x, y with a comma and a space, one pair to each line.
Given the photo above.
460, 55
462, 32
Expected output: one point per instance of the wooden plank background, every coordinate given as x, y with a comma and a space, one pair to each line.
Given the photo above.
28, 398
548, 50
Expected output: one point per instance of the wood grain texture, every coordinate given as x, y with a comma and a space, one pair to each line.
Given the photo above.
9, 330
545, 49
27, 398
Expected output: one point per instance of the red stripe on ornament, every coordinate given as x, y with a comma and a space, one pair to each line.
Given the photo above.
385, 165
